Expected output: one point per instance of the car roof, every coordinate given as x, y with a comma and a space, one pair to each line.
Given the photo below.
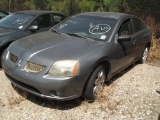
37, 12
107, 14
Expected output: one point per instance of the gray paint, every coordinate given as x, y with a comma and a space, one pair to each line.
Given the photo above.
47, 47
7, 35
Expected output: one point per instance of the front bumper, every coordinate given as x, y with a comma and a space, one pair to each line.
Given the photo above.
43, 85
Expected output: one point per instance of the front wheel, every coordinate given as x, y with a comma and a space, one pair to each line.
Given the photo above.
95, 85
144, 55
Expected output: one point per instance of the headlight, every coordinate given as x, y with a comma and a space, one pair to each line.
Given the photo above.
64, 68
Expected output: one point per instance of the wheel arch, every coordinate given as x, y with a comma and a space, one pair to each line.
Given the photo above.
103, 62
149, 45
107, 67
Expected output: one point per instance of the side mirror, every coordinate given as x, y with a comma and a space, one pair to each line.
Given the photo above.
33, 28
122, 38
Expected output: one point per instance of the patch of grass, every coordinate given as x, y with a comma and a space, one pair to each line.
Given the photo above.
154, 53
1, 102
112, 104
155, 48
106, 101
16, 99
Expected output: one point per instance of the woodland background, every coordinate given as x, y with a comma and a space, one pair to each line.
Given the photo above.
147, 10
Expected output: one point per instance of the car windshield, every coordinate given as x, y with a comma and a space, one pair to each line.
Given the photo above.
16, 20
94, 27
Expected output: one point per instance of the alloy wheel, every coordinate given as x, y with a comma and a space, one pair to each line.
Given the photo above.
145, 55
99, 84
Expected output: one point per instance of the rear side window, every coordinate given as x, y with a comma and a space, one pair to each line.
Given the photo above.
138, 25
126, 28
57, 18
43, 21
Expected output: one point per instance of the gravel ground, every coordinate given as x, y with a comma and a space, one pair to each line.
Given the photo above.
130, 96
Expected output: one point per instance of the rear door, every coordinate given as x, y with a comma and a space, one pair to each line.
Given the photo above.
125, 50
141, 35
128, 46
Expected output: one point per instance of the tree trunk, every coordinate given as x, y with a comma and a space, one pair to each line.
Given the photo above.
9, 5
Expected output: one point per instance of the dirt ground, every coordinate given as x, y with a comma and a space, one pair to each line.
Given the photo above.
131, 95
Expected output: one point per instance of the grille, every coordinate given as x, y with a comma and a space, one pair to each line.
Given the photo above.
32, 67
13, 58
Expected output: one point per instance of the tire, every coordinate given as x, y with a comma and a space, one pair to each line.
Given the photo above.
144, 55
95, 85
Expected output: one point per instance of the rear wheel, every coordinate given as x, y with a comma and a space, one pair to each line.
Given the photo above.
95, 84
144, 56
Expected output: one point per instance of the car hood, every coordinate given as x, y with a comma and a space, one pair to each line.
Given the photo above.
6, 31
47, 47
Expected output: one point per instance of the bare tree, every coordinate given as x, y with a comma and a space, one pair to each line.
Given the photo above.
9, 5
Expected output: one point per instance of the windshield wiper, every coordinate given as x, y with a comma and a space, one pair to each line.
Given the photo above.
76, 35
7, 27
54, 31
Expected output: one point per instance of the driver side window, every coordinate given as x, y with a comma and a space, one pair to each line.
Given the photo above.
126, 28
